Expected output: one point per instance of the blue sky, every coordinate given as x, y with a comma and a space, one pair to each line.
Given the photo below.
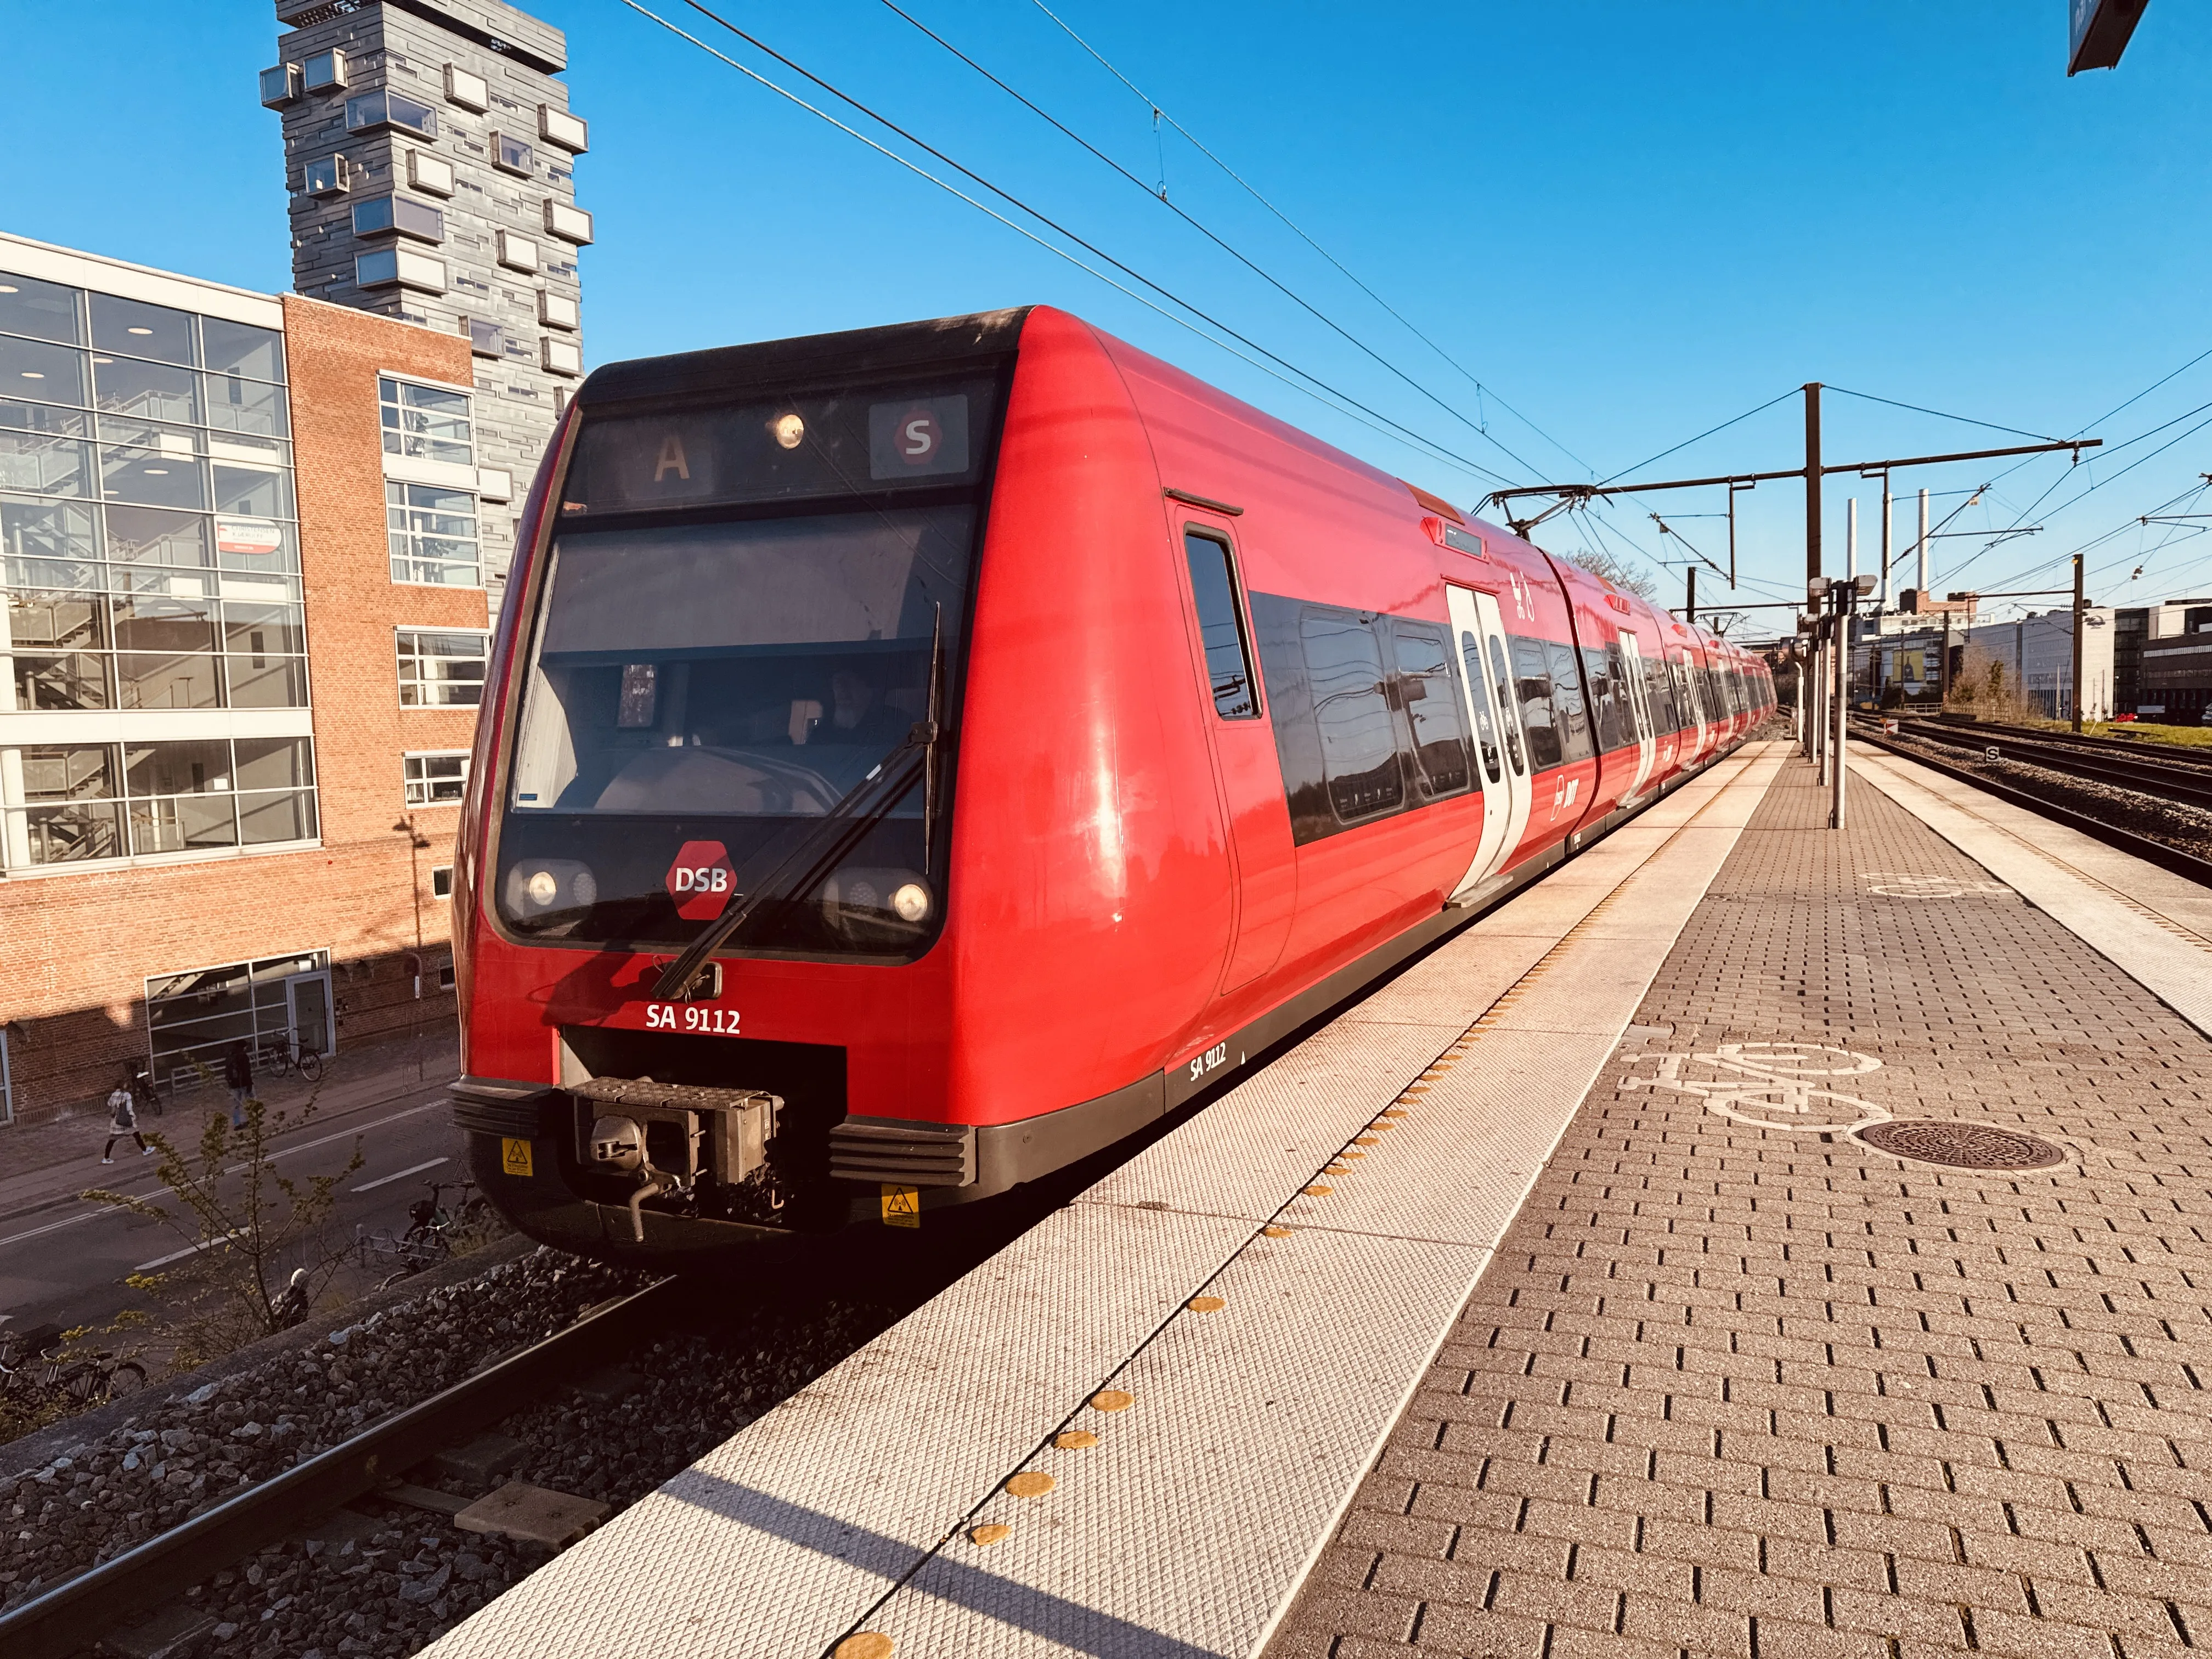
1630, 221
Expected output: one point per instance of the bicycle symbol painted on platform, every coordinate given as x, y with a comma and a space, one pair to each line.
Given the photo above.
1892, 884
1773, 1085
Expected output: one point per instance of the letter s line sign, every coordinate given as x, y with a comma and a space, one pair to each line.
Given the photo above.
917, 437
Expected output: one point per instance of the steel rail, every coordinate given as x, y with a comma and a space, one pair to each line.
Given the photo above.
2176, 757
2151, 851
67, 1618
2182, 784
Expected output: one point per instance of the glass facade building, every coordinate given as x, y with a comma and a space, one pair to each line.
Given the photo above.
154, 702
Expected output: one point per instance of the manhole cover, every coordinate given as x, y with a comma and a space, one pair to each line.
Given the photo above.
1962, 1145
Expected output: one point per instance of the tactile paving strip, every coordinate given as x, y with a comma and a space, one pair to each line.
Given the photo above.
1185, 1529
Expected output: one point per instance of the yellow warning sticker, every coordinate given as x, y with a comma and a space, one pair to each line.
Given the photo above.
901, 1206
514, 1156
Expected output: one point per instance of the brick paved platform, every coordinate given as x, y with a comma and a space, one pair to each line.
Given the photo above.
1737, 1384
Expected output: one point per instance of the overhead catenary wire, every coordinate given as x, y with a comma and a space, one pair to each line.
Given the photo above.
1334, 399
1160, 114
1233, 253
1967, 420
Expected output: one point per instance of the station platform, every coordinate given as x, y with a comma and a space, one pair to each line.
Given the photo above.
1596, 1285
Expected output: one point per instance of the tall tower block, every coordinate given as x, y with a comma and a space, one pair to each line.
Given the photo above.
430, 156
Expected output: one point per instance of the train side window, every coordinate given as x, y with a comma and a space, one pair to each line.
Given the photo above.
1607, 701
1567, 694
1430, 699
1486, 723
1352, 708
1501, 677
1533, 678
1659, 693
1221, 628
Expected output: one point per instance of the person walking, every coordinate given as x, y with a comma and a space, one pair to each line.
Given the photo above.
122, 1120
238, 1072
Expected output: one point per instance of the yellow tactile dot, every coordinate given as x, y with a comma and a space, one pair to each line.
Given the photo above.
864, 1645
1205, 1304
1030, 1483
1317, 1190
1112, 1399
989, 1533
1275, 1232
1075, 1440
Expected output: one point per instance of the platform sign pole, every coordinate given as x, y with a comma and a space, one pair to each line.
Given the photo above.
2080, 607
1843, 703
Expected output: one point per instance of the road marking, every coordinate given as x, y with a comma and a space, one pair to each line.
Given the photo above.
178, 1256
385, 1180
90, 1214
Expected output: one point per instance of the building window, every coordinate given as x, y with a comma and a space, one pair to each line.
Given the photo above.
329, 176
510, 154
486, 339
326, 71
401, 266
441, 881
281, 85
517, 252
437, 780
557, 127
561, 357
570, 224
381, 214
88, 803
425, 423
467, 90
195, 1017
433, 532
390, 109
556, 310
445, 974
431, 174
442, 668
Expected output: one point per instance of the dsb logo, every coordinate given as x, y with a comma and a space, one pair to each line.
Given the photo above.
702, 880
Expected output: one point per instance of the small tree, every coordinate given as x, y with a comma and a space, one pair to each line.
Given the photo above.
249, 1226
1598, 563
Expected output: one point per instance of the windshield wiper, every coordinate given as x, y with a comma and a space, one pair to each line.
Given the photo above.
834, 835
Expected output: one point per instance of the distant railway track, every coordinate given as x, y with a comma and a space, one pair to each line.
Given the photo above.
2149, 849
70, 1617
2101, 760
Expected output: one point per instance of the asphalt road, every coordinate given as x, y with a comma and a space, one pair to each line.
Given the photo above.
67, 1264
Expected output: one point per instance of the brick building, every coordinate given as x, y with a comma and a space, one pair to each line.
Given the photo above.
241, 683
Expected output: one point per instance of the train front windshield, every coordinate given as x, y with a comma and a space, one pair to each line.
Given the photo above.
738, 618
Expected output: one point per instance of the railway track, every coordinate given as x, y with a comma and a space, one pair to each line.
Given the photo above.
71, 1616
2151, 851
2097, 759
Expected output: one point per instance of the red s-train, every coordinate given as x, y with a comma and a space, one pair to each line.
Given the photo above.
920, 758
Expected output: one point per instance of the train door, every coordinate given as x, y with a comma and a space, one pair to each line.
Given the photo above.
1639, 710
1249, 773
1501, 750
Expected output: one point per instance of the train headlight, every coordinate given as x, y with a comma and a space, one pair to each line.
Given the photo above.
538, 888
790, 431
875, 906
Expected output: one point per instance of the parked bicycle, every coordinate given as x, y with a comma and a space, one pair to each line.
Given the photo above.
430, 1224
34, 1363
288, 1054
